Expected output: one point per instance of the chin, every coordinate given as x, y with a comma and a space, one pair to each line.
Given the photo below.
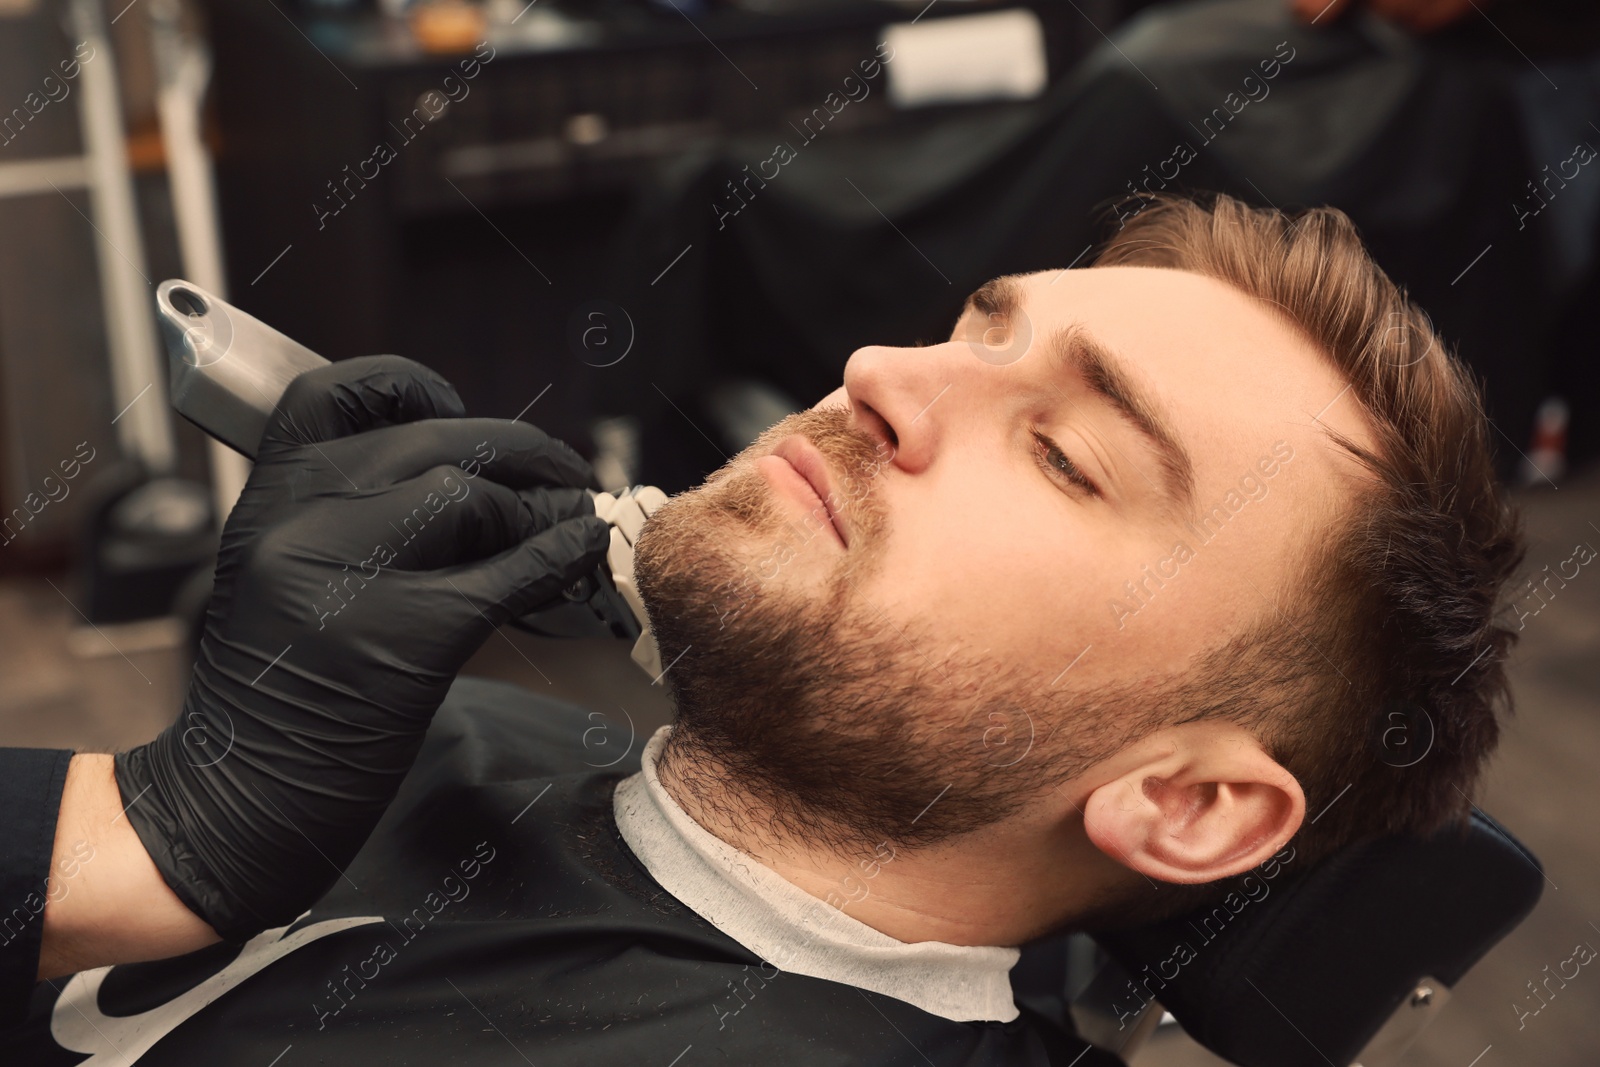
692, 560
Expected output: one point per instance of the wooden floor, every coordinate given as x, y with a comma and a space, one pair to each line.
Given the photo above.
71, 686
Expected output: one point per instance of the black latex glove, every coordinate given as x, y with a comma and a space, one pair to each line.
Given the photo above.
309, 700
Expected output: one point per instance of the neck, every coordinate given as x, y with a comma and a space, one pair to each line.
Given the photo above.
1003, 885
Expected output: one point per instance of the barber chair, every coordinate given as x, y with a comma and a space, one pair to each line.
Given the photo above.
1342, 964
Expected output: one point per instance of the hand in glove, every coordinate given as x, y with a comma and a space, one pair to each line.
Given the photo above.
378, 541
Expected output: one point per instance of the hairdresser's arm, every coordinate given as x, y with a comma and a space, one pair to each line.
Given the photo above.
105, 901
310, 699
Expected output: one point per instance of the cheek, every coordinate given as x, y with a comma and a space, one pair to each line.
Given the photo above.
971, 575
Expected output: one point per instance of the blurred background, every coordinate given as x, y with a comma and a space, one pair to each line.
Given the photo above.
654, 227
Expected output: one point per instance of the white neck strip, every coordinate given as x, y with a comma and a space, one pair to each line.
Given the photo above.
793, 930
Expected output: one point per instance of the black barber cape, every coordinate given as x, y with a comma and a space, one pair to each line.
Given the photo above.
496, 916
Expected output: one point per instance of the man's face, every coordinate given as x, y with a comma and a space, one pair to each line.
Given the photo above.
1017, 564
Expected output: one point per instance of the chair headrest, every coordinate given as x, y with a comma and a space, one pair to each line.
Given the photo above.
1319, 964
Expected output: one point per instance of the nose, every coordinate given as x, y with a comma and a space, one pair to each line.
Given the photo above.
895, 395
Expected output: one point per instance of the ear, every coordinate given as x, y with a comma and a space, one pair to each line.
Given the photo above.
1194, 803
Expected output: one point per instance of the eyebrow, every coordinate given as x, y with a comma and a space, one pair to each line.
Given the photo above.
1106, 376
998, 296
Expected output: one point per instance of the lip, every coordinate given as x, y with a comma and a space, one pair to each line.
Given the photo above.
805, 460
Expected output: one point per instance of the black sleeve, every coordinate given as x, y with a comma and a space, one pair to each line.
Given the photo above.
31, 781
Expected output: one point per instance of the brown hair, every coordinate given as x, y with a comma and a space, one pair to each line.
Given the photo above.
1381, 688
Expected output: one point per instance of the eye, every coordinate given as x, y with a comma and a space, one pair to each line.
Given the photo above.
1055, 462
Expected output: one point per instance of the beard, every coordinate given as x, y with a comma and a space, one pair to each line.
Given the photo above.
814, 716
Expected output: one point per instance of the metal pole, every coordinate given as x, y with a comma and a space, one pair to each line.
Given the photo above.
138, 377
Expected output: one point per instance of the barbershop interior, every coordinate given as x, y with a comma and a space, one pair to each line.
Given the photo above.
654, 230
